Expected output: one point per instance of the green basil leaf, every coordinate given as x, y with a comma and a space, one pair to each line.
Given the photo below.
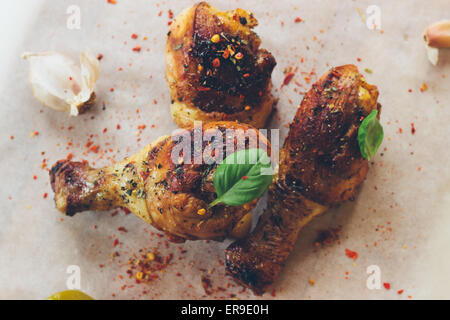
242, 177
370, 135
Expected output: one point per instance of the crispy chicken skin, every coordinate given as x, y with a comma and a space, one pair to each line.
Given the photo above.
215, 69
320, 166
166, 194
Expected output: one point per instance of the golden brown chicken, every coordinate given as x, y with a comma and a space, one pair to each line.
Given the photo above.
215, 69
320, 166
168, 184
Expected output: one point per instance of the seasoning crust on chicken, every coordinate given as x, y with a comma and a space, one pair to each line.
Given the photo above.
215, 69
173, 196
320, 166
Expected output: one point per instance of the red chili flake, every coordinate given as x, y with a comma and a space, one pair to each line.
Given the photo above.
169, 23
45, 195
244, 177
287, 78
122, 229
400, 291
104, 130
351, 254
99, 56
137, 48
160, 14
111, 89
409, 90
95, 149
358, 59
273, 293
387, 285
203, 89
216, 63
89, 143
424, 87
170, 14
69, 156
413, 128
246, 75
116, 242
111, 1
298, 19
34, 177
12, 137
239, 55
118, 127
127, 212
134, 36
70, 78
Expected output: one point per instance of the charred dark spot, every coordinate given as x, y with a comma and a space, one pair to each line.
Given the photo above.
238, 79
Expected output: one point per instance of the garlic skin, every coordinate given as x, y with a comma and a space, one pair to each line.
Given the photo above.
58, 83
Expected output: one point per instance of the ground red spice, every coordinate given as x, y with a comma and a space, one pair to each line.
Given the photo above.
387, 285
111, 1
400, 291
134, 36
298, 19
137, 48
99, 56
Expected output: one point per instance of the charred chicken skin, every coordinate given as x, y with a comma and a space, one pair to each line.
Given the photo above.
320, 166
172, 194
215, 69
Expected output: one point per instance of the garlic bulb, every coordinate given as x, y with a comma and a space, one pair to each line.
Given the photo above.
59, 83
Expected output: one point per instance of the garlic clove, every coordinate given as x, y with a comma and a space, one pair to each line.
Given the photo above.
436, 36
59, 83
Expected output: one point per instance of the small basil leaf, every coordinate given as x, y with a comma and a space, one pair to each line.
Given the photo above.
370, 135
242, 177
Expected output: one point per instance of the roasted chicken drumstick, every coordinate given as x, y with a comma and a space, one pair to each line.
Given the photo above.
215, 69
320, 166
170, 194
